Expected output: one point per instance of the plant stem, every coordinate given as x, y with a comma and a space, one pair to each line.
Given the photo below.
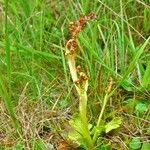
100, 117
83, 115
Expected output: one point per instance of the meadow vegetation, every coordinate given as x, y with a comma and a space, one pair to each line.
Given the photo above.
43, 106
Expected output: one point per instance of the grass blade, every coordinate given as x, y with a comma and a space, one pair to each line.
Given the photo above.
134, 60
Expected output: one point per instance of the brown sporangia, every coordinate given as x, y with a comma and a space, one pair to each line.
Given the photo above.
77, 26
109, 87
71, 46
82, 76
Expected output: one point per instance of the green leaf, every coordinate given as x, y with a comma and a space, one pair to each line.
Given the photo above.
76, 123
98, 130
77, 132
19, 146
141, 108
126, 84
129, 106
113, 124
39, 145
105, 147
135, 143
145, 146
75, 136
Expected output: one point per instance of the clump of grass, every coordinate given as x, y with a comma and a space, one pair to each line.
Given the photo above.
6, 92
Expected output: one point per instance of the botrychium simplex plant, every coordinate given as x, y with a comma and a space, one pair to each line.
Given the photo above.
84, 134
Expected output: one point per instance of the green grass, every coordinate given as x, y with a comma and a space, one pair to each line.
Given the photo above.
37, 96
